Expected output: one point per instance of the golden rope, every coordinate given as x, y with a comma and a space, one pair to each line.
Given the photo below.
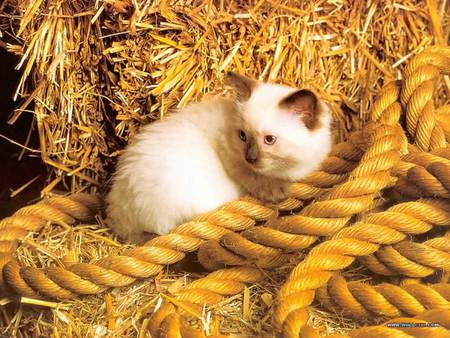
361, 239
363, 301
416, 260
417, 97
62, 210
346, 244
424, 174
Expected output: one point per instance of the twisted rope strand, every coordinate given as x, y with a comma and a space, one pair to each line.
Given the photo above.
139, 262
363, 301
34, 217
416, 260
417, 97
424, 174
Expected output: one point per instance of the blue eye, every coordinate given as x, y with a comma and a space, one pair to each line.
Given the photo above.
242, 135
269, 139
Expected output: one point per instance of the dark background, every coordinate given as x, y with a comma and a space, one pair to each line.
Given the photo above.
14, 173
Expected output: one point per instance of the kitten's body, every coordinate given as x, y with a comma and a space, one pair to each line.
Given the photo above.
171, 173
193, 161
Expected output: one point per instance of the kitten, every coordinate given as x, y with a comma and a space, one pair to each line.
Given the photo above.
216, 151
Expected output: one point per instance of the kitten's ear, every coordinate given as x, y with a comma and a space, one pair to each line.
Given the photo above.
303, 103
241, 84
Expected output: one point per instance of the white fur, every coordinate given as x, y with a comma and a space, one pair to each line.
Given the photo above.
185, 165
170, 174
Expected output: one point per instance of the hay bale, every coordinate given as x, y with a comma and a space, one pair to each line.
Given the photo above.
95, 71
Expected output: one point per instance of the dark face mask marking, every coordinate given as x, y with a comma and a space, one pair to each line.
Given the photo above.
252, 153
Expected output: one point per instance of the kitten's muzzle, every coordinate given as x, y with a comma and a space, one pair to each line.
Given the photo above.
252, 154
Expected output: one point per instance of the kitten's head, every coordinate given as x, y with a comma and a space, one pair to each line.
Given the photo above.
278, 131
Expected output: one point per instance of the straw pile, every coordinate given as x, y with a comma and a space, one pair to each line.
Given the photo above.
95, 71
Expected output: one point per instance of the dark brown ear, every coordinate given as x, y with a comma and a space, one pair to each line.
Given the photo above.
241, 84
304, 104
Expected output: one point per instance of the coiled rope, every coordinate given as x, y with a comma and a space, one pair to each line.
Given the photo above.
363, 301
340, 251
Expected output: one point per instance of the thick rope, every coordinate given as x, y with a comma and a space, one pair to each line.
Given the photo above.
431, 323
424, 174
411, 259
166, 321
61, 210
417, 97
140, 262
426, 212
64, 210
341, 250
363, 301
361, 239
443, 116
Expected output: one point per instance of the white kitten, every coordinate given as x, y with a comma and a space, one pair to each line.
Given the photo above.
215, 151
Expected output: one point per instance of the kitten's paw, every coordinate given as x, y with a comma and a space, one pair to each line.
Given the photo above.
272, 194
139, 237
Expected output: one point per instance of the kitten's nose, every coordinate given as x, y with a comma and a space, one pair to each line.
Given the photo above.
250, 160
251, 155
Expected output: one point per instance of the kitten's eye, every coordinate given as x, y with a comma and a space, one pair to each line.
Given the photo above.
269, 139
242, 135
